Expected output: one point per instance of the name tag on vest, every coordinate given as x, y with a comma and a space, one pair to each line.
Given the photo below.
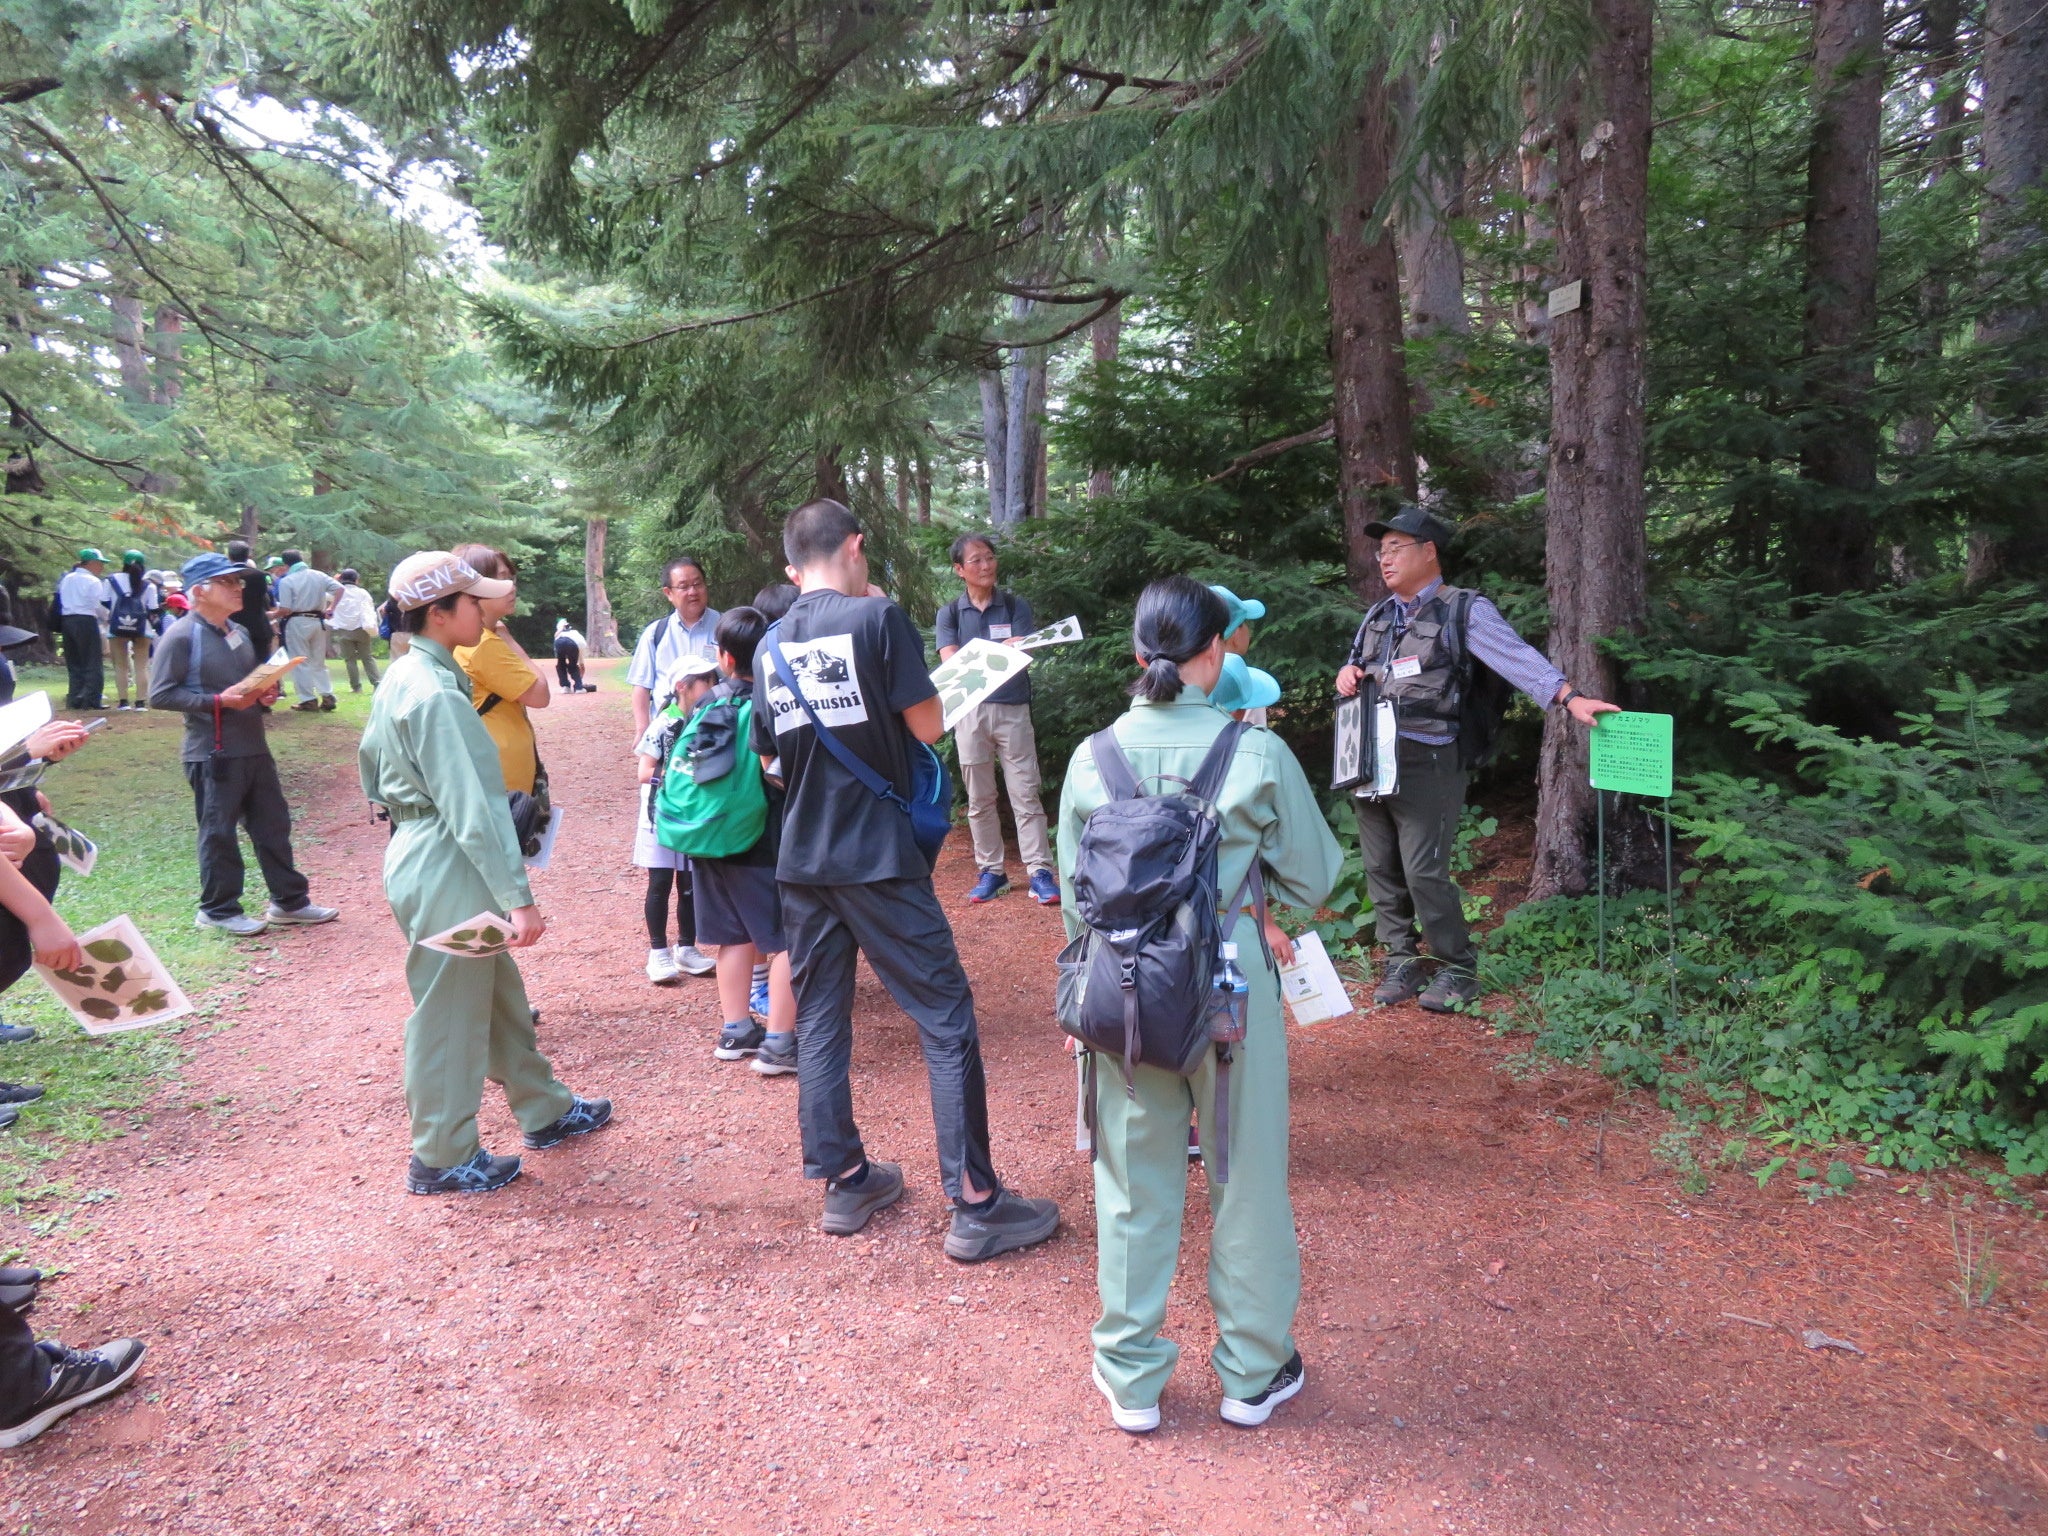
1407, 666
999, 632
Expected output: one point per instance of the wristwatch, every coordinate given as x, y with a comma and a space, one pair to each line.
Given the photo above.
1570, 693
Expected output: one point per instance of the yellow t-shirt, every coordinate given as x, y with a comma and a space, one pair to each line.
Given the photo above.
494, 667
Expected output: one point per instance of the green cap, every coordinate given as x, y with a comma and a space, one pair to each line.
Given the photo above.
89, 553
273, 560
134, 557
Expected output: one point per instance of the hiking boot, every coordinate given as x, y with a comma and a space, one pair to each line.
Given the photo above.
993, 883
240, 924
777, 1056
1132, 1421
327, 701
1451, 990
1402, 981
300, 917
662, 969
582, 1117
737, 1041
479, 1175
307, 705
848, 1208
19, 1093
1251, 1412
1045, 888
16, 1034
78, 1377
692, 961
1012, 1222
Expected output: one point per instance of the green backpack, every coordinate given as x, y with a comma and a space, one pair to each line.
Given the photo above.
708, 798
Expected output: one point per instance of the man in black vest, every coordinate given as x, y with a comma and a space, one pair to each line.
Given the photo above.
1427, 649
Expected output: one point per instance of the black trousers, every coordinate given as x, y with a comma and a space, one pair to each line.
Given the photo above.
899, 926
568, 666
24, 1369
85, 660
43, 872
231, 792
1406, 842
659, 884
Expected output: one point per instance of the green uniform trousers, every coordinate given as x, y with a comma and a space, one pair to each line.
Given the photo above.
470, 1018
1141, 1180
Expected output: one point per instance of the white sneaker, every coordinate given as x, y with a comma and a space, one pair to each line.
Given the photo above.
691, 959
1132, 1421
661, 968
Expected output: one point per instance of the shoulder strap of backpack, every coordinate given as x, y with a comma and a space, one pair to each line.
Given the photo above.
1208, 780
1112, 767
491, 702
875, 784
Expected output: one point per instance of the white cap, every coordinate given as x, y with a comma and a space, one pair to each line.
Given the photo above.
692, 665
433, 574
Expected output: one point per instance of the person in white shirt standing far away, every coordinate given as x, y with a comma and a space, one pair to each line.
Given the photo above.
353, 620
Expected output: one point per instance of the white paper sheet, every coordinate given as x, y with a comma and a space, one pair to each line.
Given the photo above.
119, 985
1315, 993
974, 672
547, 838
75, 851
474, 938
1065, 632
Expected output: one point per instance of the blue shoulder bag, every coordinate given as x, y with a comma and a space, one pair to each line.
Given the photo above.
930, 806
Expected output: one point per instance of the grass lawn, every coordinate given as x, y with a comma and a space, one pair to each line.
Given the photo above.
126, 791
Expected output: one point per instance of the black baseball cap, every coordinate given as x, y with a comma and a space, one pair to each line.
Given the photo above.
1426, 527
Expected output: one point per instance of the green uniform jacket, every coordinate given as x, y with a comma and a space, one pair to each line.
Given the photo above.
1266, 807
427, 756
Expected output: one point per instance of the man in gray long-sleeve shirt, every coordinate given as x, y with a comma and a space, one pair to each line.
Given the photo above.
227, 760
1423, 649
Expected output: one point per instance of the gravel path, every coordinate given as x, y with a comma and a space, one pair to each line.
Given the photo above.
1513, 1323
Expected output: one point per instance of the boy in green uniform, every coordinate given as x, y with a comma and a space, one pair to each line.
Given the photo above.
428, 761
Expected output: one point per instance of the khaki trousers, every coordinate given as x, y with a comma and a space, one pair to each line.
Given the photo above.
1002, 733
131, 665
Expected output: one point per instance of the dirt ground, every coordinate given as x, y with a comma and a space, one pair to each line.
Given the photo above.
1513, 1323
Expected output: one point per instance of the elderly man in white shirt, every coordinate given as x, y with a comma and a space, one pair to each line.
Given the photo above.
304, 597
353, 622
81, 610
691, 630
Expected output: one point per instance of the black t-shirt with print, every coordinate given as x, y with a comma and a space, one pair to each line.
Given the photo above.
861, 664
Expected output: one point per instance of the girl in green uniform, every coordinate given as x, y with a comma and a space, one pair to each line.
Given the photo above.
1267, 811
428, 761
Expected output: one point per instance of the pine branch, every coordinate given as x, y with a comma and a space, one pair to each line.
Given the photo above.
15, 92
1273, 450
114, 466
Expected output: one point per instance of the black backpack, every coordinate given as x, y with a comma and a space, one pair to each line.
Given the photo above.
1139, 983
128, 617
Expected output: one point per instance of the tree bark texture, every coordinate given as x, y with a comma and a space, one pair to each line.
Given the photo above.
1938, 23
1538, 217
1368, 367
1432, 266
995, 443
1595, 556
1026, 426
1834, 547
1105, 339
2015, 150
168, 344
600, 628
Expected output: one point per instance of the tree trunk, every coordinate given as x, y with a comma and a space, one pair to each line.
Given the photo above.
1026, 424
169, 346
1538, 218
1834, 547
250, 528
1105, 339
1431, 263
828, 476
1938, 22
128, 351
924, 488
1034, 431
902, 491
599, 627
1368, 368
2015, 150
1594, 548
995, 443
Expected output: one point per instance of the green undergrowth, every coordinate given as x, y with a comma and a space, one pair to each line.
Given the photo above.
126, 791
1860, 955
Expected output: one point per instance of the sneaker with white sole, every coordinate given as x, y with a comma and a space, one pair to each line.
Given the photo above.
777, 1055
662, 969
1132, 1421
1251, 1412
240, 924
738, 1041
78, 1377
692, 961
299, 917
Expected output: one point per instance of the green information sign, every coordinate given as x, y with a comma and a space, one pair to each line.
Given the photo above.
1632, 753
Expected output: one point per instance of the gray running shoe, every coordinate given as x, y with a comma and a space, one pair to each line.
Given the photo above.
1012, 1222
301, 917
77, 1377
776, 1056
241, 924
581, 1118
1402, 981
847, 1210
480, 1174
1451, 991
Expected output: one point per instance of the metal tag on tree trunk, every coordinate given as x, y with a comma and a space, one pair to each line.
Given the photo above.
1566, 297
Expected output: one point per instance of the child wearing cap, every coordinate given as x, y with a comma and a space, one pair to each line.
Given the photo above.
681, 688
